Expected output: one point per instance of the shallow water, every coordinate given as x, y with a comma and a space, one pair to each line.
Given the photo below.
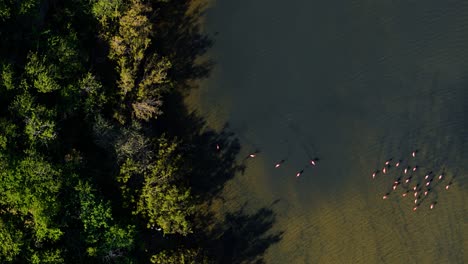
353, 83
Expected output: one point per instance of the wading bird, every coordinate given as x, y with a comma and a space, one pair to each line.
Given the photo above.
277, 165
299, 173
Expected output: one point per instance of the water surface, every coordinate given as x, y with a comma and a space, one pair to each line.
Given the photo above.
353, 83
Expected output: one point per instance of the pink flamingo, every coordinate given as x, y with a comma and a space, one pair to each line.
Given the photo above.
277, 165
413, 154
415, 168
415, 208
432, 206
441, 176
299, 173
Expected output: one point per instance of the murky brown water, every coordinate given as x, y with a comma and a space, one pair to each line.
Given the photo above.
353, 83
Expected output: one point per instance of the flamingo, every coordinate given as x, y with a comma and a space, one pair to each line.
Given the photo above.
415, 168
253, 155
299, 173
447, 187
432, 206
277, 165
384, 170
441, 176
218, 147
398, 163
415, 208
413, 154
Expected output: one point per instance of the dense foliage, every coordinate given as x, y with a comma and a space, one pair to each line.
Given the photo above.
99, 160
81, 83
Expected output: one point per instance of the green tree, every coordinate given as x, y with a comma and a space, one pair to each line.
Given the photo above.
7, 77
161, 201
103, 238
166, 206
11, 242
29, 188
94, 96
106, 10
42, 73
40, 125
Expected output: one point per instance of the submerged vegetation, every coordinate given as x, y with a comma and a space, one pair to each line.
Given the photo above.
99, 160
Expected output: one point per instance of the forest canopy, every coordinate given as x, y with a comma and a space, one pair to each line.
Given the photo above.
86, 170
100, 161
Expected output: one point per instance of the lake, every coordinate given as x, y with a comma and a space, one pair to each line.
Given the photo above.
353, 83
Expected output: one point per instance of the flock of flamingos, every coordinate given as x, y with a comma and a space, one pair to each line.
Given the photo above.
411, 181
402, 174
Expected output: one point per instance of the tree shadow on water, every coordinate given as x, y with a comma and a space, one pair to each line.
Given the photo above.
210, 156
184, 43
212, 160
240, 237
